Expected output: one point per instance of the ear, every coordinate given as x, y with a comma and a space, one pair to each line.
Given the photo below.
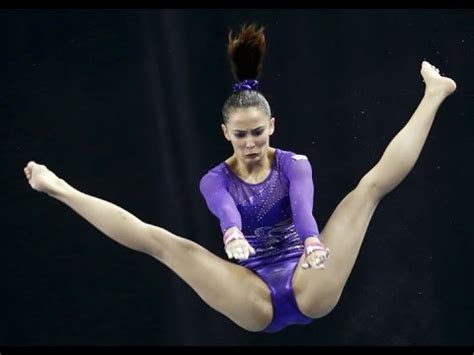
225, 131
272, 126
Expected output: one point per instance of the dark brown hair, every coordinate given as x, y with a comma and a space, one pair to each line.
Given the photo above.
246, 51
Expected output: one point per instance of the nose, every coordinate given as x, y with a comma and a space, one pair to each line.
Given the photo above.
249, 143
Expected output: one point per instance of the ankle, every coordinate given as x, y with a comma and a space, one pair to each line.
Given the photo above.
434, 95
60, 190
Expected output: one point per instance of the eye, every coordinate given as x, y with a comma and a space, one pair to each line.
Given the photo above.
239, 135
257, 133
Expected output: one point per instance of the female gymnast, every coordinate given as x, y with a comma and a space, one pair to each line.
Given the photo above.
263, 198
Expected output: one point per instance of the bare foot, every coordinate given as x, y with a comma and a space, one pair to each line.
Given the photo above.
435, 83
42, 179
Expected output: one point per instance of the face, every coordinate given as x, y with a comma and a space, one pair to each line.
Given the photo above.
249, 131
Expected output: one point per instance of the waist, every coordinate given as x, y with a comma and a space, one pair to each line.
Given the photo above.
274, 244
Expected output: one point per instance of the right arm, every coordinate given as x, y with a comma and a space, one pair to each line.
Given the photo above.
219, 201
222, 205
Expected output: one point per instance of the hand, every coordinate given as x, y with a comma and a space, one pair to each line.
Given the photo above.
239, 249
236, 246
316, 254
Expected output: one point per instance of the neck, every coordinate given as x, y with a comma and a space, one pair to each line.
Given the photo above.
254, 171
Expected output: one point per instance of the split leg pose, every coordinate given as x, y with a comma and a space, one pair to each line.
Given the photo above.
234, 290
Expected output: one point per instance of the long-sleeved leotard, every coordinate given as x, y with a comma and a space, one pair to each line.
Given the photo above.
275, 216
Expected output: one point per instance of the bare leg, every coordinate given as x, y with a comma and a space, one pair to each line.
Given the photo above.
316, 291
230, 289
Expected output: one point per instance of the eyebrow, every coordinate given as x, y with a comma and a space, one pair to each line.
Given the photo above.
253, 130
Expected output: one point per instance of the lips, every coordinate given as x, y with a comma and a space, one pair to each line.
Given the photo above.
253, 155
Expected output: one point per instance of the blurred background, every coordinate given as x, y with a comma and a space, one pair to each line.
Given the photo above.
125, 105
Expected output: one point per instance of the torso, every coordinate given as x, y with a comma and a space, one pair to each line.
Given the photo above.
262, 202
264, 207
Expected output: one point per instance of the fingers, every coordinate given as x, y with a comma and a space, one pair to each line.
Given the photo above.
316, 260
317, 266
239, 251
245, 252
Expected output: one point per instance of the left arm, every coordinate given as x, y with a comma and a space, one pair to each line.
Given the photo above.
299, 173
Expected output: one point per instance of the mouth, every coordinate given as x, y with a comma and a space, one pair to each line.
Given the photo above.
253, 155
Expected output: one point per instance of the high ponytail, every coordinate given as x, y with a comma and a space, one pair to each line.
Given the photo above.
246, 51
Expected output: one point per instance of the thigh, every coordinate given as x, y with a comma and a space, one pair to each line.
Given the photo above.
317, 291
231, 289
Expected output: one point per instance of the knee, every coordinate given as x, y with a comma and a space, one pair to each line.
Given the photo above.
320, 306
260, 317
255, 310
165, 244
371, 186
327, 306
179, 246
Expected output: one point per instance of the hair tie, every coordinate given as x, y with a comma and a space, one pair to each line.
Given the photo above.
245, 85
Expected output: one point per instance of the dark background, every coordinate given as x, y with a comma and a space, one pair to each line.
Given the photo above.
125, 105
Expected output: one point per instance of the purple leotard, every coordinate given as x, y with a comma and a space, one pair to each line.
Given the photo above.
275, 217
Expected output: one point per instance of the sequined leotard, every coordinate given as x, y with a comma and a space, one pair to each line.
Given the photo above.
275, 217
